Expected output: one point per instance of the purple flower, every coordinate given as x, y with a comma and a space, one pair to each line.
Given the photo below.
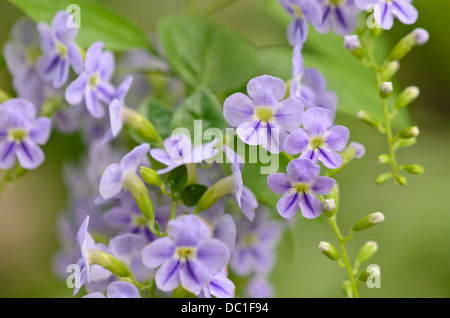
178, 150
117, 290
21, 54
116, 174
310, 86
302, 12
188, 256
255, 245
244, 197
360, 150
318, 141
263, 118
300, 188
219, 286
21, 133
59, 50
351, 42
117, 105
385, 10
339, 15
259, 287
93, 85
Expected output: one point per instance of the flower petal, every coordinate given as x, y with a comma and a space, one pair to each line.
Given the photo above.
322, 185
30, 156
273, 138
383, 15
237, 109
126, 246
296, 142
132, 160
404, 11
61, 73
302, 170
167, 277
279, 183
115, 117
213, 255
75, 58
122, 290
75, 91
266, 90
93, 57
7, 154
194, 277
221, 287
248, 203
225, 231
188, 230
317, 120
288, 115
40, 130
158, 252
287, 206
330, 158
64, 27
93, 105
111, 181
107, 65
310, 205
337, 138
251, 132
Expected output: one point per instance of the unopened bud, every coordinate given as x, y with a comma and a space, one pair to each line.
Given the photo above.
368, 221
405, 142
410, 132
386, 90
368, 118
360, 150
329, 251
409, 95
373, 271
215, 192
404, 46
413, 169
351, 42
140, 124
382, 178
329, 205
401, 180
390, 70
367, 251
384, 158
150, 176
109, 262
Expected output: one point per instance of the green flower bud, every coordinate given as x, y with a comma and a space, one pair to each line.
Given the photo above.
368, 221
368, 119
405, 142
139, 123
384, 158
404, 46
367, 251
409, 132
134, 184
215, 192
386, 90
331, 203
408, 95
382, 178
109, 262
150, 176
413, 169
365, 274
329, 251
348, 288
390, 70
401, 180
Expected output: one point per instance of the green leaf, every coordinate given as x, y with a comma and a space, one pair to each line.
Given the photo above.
177, 179
98, 22
159, 115
206, 53
199, 106
192, 194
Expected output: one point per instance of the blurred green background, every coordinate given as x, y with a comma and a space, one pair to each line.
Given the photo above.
414, 253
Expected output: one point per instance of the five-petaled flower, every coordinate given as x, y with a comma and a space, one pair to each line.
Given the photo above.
318, 140
59, 50
188, 256
21, 133
93, 85
263, 117
300, 188
339, 15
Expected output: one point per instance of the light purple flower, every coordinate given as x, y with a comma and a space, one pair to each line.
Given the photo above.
300, 188
351, 42
310, 86
338, 15
59, 50
319, 140
219, 286
259, 287
21, 54
264, 117
360, 150
302, 12
117, 105
255, 245
111, 182
178, 150
244, 197
188, 256
385, 10
93, 85
21, 133
117, 290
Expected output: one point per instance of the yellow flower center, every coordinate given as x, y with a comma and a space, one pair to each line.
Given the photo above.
264, 113
185, 253
316, 142
298, 12
17, 134
336, 2
94, 80
32, 54
61, 49
301, 187
249, 240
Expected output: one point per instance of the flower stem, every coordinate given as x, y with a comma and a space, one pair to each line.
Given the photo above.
387, 118
173, 209
341, 240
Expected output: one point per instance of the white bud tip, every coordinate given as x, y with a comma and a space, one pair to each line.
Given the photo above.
422, 36
377, 217
324, 246
373, 245
329, 205
361, 114
351, 42
414, 91
375, 271
415, 131
387, 87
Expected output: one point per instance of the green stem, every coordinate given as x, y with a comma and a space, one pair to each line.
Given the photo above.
288, 156
387, 118
173, 209
341, 240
